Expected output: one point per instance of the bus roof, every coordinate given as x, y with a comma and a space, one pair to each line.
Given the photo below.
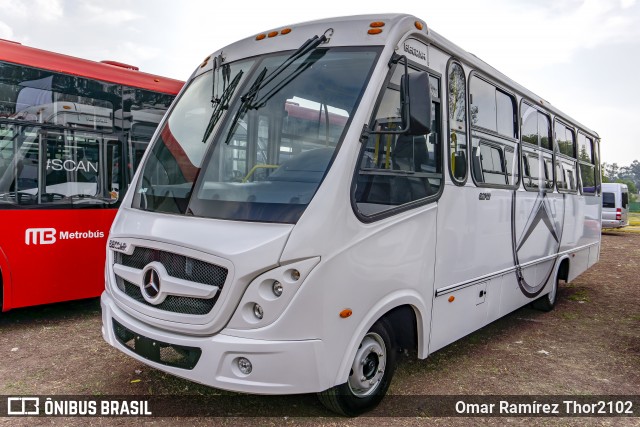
18, 54
353, 31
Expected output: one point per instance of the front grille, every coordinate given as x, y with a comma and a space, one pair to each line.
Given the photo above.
178, 266
157, 351
172, 303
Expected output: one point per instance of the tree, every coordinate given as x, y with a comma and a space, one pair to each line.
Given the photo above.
610, 171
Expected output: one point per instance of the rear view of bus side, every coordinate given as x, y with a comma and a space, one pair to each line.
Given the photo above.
324, 194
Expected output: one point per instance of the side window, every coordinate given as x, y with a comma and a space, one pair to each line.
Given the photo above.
457, 107
399, 169
586, 161
565, 140
625, 200
531, 168
491, 108
566, 177
494, 147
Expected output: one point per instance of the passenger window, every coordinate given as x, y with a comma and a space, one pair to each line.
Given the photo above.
531, 171
536, 127
399, 169
492, 163
457, 123
491, 108
586, 161
565, 140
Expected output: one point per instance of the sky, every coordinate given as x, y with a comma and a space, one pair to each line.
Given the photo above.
579, 55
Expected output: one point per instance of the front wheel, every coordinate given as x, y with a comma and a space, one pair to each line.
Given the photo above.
370, 374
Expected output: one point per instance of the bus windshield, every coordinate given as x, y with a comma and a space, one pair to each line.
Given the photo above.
265, 160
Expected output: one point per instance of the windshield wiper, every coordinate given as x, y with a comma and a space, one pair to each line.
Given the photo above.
247, 99
221, 104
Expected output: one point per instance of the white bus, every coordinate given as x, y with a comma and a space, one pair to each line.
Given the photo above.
416, 196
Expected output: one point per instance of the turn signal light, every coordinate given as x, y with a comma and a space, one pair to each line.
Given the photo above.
452, 298
346, 313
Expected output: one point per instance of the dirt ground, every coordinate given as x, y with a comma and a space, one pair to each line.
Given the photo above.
589, 345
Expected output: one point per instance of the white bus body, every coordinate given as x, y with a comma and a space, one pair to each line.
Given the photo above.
615, 205
261, 260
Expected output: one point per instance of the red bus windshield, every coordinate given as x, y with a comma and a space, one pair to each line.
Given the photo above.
72, 133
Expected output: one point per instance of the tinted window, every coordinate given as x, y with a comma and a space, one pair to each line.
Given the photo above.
399, 169
483, 101
565, 140
585, 149
505, 114
608, 200
58, 167
536, 127
625, 200
587, 174
544, 130
529, 130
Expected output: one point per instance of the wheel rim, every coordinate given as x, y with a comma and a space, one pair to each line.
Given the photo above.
368, 366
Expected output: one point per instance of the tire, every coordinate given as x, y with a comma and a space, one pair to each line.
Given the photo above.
548, 301
366, 385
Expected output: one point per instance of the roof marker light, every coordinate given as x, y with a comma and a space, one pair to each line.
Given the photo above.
418, 25
285, 31
272, 34
377, 24
452, 298
261, 37
374, 31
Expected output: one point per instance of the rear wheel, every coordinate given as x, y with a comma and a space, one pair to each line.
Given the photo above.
548, 301
370, 374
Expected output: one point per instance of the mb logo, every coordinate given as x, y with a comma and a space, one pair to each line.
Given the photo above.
40, 236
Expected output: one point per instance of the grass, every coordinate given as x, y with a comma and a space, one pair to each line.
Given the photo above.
579, 295
634, 219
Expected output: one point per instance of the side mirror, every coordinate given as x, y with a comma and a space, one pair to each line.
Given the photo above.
415, 96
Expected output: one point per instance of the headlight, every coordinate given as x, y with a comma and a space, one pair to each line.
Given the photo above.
268, 295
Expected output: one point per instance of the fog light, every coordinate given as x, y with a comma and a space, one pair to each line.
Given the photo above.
295, 275
244, 365
277, 288
257, 311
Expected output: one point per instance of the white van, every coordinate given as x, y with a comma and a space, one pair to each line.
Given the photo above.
615, 205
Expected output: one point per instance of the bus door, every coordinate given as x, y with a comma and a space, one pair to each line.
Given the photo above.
54, 187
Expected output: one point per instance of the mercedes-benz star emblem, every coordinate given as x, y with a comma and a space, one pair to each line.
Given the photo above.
151, 283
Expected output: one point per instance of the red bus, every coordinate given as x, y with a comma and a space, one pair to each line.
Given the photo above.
72, 133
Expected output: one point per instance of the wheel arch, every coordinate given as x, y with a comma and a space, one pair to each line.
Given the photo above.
397, 308
563, 268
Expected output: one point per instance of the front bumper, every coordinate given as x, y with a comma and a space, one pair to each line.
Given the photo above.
279, 367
